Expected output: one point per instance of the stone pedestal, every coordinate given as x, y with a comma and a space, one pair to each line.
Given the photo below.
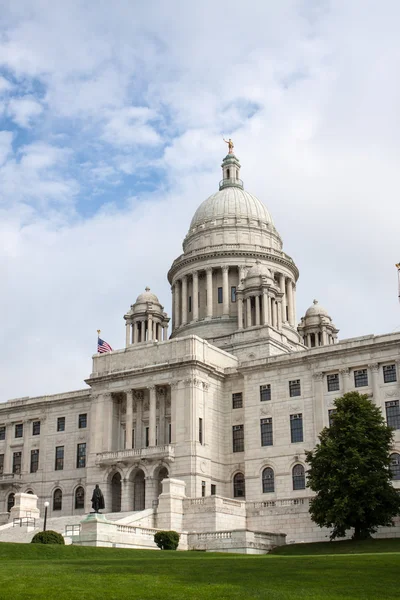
96, 531
170, 505
25, 506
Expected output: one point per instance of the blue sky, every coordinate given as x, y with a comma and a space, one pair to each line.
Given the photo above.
111, 119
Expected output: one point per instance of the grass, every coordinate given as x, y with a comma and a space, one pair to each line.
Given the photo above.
70, 572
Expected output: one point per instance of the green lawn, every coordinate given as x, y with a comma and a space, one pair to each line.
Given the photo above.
68, 573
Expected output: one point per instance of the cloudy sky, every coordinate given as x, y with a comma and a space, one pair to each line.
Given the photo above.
112, 115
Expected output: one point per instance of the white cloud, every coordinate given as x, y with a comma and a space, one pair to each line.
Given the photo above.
6, 138
24, 110
130, 127
5, 85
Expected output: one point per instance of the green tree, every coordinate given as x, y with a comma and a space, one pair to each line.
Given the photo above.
349, 470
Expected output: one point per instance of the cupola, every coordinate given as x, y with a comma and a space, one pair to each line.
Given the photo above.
146, 320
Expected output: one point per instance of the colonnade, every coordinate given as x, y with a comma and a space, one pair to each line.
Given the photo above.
157, 436
321, 337
273, 305
145, 330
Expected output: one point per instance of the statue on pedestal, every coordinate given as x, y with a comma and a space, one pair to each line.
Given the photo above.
97, 499
230, 145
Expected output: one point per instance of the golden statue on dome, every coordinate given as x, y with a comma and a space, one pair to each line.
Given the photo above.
230, 145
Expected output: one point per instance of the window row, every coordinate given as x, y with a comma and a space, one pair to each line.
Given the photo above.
79, 499
34, 460
392, 414
266, 431
332, 380
19, 427
220, 297
268, 481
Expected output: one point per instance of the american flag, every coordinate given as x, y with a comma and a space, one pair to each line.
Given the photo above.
102, 346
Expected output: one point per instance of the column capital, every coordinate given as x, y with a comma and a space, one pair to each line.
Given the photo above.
225, 268
345, 372
374, 367
184, 278
151, 388
318, 376
138, 394
209, 269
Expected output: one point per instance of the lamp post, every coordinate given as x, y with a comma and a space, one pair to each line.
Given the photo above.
46, 506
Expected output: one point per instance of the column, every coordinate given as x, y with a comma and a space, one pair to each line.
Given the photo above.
309, 340
242, 274
177, 304
323, 337
275, 307
107, 417
265, 308
240, 311
173, 306
127, 334
129, 419
257, 301
290, 301
150, 328
319, 404
271, 310
225, 291
195, 296
165, 332
248, 317
283, 291
152, 416
184, 304
8, 451
374, 368
135, 333
279, 305
139, 418
209, 293
294, 303
26, 455
162, 393
345, 373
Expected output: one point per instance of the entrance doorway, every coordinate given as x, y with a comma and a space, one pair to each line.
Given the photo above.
116, 493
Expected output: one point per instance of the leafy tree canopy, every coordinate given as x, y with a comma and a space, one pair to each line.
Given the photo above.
349, 470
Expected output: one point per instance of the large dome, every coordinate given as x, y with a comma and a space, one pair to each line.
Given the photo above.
231, 202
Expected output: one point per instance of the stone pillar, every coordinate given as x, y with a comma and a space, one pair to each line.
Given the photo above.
242, 274
319, 405
162, 394
209, 293
129, 420
26, 454
152, 416
290, 301
345, 373
195, 296
170, 505
257, 301
165, 328
107, 417
139, 395
283, 291
135, 333
374, 368
275, 311
150, 328
279, 305
184, 305
309, 340
8, 451
126, 495
151, 493
323, 337
173, 306
143, 331
225, 291
127, 334
240, 311
248, 316
177, 304
265, 308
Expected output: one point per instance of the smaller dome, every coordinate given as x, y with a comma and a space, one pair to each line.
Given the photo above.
147, 296
316, 310
258, 270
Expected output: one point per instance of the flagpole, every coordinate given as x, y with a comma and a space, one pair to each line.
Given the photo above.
98, 337
398, 278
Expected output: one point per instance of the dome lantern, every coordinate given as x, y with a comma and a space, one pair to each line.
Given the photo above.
316, 327
230, 173
146, 320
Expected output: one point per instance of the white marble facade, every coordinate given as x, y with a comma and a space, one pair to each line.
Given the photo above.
228, 403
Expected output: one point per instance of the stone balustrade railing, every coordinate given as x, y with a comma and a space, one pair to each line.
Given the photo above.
166, 452
277, 503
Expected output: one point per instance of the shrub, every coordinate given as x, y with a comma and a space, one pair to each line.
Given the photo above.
167, 540
48, 537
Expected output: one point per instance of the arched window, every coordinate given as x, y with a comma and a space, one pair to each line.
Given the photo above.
299, 477
395, 466
57, 499
10, 501
239, 488
79, 498
268, 481
228, 174
29, 492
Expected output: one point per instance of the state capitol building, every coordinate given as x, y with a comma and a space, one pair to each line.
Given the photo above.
227, 404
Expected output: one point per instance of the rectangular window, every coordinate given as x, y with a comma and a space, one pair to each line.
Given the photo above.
2, 433
36, 428
265, 392
1, 464
237, 400
333, 382
34, 460
17, 458
233, 293
266, 432
331, 414
360, 378
190, 304
81, 456
238, 438
203, 489
19, 430
294, 388
59, 464
133, 438
393, 414
201, 431
296, 428
147, 437
220, 296
82, 421
169, 433
389, 373
61, 424
213, 489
